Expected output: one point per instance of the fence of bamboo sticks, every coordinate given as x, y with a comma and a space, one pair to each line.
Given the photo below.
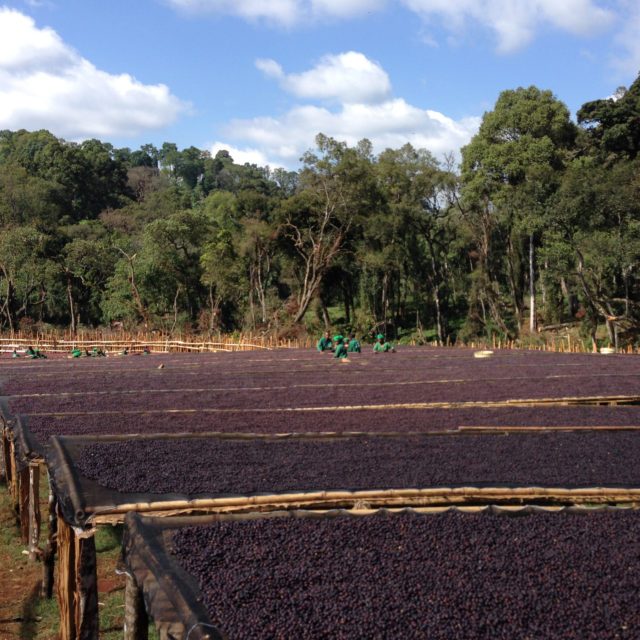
116, 341
61, 341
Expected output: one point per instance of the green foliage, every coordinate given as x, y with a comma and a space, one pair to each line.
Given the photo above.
399, 243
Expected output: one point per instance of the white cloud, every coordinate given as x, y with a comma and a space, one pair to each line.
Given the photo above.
281, 12
388, 124
515, 22
45, 84
241, 156
345, 78
627, 62
366, 109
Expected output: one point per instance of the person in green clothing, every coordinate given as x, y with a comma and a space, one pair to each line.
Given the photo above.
76, 352
341, 350
30, 352
15, 354
382, 346
353, 345
325, 343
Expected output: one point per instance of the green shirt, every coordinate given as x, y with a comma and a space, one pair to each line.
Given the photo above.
325, 344
354, 346
341, 351
379, 346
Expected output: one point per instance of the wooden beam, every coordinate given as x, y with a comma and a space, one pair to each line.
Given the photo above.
4, 456
77, 583
136, 620
48, 559
23, 503
34, 511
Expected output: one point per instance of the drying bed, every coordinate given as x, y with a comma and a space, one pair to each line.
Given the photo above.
335, 394
446, 575
306, 368
401, 420
226, 466
101, 478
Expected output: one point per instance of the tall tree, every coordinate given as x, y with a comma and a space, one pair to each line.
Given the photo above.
335, 186
510, 169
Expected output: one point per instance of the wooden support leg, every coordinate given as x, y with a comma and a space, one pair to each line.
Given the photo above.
13, 473
77, 583
50, 549
4, 455
136, 621
34, 511
23, 503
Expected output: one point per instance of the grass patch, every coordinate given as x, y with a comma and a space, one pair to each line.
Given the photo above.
27, 616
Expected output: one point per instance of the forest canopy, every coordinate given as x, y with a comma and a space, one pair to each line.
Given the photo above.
538, 226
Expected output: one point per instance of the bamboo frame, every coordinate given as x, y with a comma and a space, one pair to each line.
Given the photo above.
358, 500
526, 402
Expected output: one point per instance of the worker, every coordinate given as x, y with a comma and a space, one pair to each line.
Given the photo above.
76, 352
382, 346
146, 351
341, 350
98, 352
325, 343
353, 344
15, 354
30, 352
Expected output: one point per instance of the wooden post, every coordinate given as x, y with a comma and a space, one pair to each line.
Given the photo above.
50, 549
5, 462
23, 503
34, 510
77, 583
12, 473
136, 620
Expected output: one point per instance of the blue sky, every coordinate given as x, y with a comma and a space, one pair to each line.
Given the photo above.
262, 77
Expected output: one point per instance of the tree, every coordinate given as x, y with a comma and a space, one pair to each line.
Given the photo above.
315, 222
509, 171
613, 124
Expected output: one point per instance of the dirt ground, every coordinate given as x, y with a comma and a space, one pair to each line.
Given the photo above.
24, 614
20, 579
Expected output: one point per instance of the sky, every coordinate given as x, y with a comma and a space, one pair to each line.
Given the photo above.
261, 78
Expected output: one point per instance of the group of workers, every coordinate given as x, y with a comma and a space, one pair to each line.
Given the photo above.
341, 346
33, 353
30, 353
78, 353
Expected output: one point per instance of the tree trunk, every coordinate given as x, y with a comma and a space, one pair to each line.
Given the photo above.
325, 315
533, 325
72, 313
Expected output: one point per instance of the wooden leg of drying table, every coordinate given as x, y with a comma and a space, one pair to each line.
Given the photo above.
136, 621
23, 503
77, 583
50, 549
34, 511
